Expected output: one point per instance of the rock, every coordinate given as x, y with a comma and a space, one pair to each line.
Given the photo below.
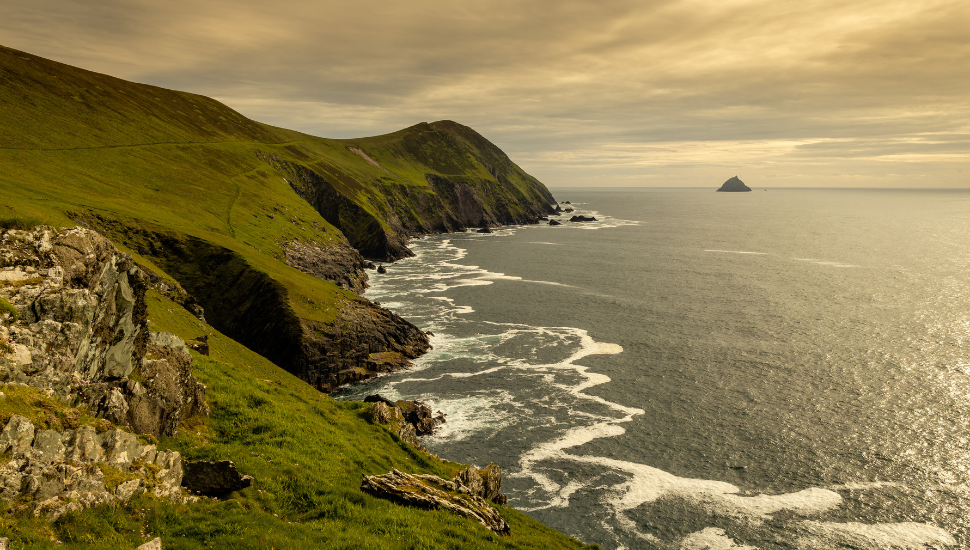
554, 222
485, 229
200, 345
486, 483
567, 202
379, 398
4, 543
154, 544
339, 264
381, 269
419, 415
84, 331
432, 492
582, 218
213, 478
17, 436
568, 210
734, 185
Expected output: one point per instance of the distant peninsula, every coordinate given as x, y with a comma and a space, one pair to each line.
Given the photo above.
734, 185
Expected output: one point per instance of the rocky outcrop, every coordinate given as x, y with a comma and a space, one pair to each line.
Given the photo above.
54, 472
554, 222
734, 185
364, 341
408, 419
486, 483
341, 265
82, 331
213, 478
467, 182
582, 218
434, 493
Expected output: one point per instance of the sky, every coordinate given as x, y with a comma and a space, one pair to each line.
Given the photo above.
782, 93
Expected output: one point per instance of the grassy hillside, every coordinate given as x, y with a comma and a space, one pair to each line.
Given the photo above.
307, 453
204, 196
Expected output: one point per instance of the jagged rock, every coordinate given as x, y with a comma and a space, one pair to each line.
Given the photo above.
200, 345
382, 270
83, 330
17, 435
582, 218
554, 222
486, 483
734, 185
485, 229
339, 264
4, 543
432, 492
53, 472
408, 419
154, 544
213, 478
568, 210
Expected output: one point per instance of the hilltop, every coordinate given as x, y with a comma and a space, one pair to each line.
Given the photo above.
249, 247
734, 185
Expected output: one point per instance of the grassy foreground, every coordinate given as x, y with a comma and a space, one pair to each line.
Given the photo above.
307, 453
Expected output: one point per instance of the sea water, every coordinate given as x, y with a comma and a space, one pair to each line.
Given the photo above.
774, 369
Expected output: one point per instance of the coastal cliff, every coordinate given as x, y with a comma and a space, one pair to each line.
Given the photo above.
201, 196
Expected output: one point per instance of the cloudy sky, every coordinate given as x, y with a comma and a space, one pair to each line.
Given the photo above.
808, 93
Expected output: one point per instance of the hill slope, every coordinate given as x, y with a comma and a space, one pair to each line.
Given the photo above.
201, 195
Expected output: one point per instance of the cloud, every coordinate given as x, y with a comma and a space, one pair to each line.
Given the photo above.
598, 86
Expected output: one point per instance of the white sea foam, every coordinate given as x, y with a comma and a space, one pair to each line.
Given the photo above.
561, 387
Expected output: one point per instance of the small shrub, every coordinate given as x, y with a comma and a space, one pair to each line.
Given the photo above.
102, 425
72, 418
6, 307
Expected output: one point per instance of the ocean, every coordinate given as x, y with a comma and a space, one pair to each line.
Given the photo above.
786, 368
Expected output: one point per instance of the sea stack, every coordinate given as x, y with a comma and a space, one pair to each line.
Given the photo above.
734, 185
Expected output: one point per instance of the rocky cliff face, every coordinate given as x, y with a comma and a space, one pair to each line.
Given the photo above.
81, 331
53, 472
456, 179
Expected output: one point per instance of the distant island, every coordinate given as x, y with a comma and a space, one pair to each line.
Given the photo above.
734, 185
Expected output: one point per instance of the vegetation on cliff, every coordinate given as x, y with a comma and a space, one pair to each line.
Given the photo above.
212, 206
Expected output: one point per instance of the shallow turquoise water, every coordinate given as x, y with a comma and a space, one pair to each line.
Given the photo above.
776, 369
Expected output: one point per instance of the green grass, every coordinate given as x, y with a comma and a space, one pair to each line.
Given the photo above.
6, 307
307, 453
80, 145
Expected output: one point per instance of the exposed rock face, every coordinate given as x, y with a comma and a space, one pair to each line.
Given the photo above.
734, 185
486, 483
484, 230
432, 492
366, 340
408, 419
582, 218
341, 265
469, 182
82, 331
363, 341
554, 222
213, 478
59, 472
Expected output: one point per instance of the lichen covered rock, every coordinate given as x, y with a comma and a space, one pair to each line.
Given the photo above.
52, 472
82, 331
434, 493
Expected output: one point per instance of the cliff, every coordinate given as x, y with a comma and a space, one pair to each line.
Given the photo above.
734, 185
209, 286
201, 195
